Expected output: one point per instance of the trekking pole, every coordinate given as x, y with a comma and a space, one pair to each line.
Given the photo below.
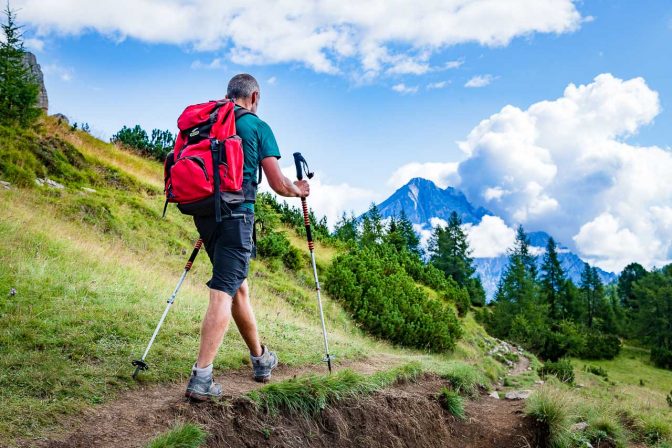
302, 165
140, 364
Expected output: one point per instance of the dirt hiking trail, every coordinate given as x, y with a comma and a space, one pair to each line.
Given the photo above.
407, 414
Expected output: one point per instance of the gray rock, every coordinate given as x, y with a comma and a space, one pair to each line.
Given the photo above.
518, 395
494, 395
30, 62
578, 427
89, 190
5, 185
61, 118
12, 292
539, 382
48, 182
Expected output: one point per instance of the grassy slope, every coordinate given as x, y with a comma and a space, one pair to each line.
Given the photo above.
92, 272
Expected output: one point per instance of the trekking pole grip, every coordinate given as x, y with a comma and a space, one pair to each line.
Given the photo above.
194, 252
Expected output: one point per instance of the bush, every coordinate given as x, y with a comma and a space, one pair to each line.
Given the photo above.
661, 357
292, 258
273, 244
600, 346
376, 290
452, 402
595, 370
562, 369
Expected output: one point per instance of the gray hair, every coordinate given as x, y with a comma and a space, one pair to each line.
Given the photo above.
242, 86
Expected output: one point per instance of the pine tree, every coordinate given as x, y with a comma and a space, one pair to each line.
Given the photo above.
346, 229
553, 282
406, 230
654, 294
18, 89
592, 292
372, 227
521, 249
449, 250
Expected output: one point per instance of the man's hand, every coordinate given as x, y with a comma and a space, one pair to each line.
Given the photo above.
304, 188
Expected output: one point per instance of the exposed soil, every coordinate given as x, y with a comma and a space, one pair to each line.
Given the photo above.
400, 416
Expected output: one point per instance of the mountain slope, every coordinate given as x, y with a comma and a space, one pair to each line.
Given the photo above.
423, 201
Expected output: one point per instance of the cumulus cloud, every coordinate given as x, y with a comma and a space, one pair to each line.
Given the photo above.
479, 81
328, 199
442, 174
322, 35
565, 166
404, 89
489, 238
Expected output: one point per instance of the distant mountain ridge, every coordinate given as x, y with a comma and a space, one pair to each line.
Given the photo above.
423, 201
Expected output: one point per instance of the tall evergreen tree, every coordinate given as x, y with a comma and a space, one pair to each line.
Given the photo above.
405, 228
630, 274
592, 293
521, 249
553, 282
654, 294
449, 250
346, 228
372, 227
18, 87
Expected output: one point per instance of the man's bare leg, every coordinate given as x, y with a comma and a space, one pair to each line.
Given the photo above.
243, 314
215, 323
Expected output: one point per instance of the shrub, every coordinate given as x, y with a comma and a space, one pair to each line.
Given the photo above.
376, 290
273, 244
600, 346
292, 258
452, 402
562, 369
661, 357
595, 370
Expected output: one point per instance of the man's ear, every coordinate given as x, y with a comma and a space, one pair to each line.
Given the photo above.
255, 97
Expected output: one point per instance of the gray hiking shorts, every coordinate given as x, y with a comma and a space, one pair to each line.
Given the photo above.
229, 246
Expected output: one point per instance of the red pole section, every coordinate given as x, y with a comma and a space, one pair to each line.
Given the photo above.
306, 221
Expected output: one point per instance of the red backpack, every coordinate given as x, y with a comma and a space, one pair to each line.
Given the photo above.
207, 138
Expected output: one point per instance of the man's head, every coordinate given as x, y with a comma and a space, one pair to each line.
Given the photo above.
244, 90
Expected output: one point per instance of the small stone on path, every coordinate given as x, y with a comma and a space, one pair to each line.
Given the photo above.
494, 395
518, 395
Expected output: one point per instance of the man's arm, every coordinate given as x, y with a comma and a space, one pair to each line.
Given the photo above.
281, 184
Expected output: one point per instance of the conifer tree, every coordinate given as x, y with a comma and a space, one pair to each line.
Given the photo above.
18, 87
553, 282
372, 227
346, 228
405, 228
449, 250
592, 292
654, 293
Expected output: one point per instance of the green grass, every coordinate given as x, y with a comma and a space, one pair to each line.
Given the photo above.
452, 402
185, 435
308, 395
464, 379
551, 409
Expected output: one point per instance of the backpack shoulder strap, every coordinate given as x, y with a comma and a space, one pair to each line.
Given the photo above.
241, 112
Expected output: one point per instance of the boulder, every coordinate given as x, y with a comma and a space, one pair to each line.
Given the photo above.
5, 185
49, 183
494, 395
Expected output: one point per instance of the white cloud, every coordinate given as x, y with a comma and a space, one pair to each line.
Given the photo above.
215, 64
63, 73
490, 238
480, 81
404, 89
330, 200
565, 166
453, 64
442, 174
322, 35
272, 81
437, 85
35, 45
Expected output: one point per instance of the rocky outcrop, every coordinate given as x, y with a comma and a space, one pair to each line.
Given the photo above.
31, 62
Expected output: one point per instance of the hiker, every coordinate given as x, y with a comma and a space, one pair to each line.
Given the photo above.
229, 245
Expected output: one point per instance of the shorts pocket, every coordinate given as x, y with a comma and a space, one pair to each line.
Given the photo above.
236, 232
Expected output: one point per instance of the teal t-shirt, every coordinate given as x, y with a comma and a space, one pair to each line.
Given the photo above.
258, 143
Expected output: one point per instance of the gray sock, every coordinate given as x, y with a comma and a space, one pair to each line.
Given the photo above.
205, 371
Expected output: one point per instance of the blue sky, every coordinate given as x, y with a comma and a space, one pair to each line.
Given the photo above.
358, 122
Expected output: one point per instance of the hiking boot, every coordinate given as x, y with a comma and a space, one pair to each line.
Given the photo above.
262, 365
202, 387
